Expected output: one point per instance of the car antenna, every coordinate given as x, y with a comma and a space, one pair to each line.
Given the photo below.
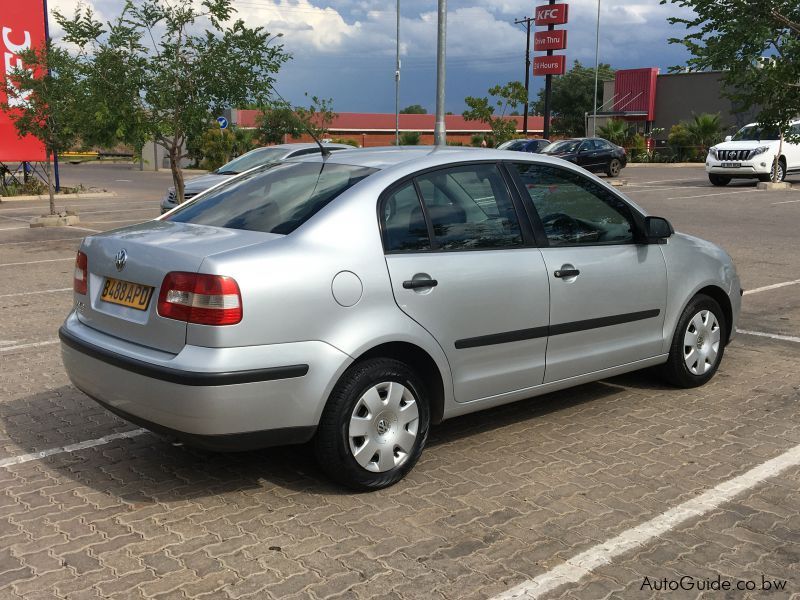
326, 152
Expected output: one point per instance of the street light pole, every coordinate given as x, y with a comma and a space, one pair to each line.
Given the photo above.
397, 83
527, 21
439, 131
596, 67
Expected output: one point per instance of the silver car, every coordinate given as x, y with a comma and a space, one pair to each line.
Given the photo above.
245, 162
359, 299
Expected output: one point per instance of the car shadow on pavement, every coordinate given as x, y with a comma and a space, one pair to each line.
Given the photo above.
150, 469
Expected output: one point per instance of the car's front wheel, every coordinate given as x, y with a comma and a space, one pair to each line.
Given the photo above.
374, 426
697, 345
718, 180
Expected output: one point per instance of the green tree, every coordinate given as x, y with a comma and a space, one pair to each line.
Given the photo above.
184, 74
704, 130
409, 138
501, 98
319, 116
615, 131
680, 141
414, 109
217, 146
572, 97
44, 99
756, 43
277, 122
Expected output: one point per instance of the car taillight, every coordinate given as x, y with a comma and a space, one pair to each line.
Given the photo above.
81, 277
200, 298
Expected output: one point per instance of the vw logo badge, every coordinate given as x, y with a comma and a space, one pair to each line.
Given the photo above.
120, 259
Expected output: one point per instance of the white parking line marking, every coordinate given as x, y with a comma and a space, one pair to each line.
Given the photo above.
774, 286
7, 342
13, 228
31, 345
23, 458
583, 564
774, 336
35, 262
86, 229
751, 191
785, 202
69, 289
14, 218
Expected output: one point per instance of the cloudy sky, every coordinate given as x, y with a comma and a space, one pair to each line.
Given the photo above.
344, 49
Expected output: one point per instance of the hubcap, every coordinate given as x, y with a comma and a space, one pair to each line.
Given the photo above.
383, 427
701, 343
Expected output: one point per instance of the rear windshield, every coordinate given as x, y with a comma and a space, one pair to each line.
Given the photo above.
273, 199
254, 158
565, 147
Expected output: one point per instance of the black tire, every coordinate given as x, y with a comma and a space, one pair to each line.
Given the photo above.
332, 442
614, 167
719, 180
675, 370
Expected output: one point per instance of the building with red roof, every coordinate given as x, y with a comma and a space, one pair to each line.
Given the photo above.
377, 129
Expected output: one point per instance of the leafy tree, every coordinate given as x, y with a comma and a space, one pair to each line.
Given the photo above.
704, 130
615, 131
318, 116
218, 146
414, 109
183, 74
502, 97
572, 97
409, 138
44, 99
756, 43
277, 122
680, 141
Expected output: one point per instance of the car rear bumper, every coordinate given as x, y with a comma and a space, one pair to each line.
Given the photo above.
198, 395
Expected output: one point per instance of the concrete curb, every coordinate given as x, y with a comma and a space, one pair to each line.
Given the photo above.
60, 197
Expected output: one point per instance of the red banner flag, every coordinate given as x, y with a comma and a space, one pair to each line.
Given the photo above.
22, 26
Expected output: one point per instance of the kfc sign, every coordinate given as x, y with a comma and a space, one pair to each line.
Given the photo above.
548, 65
22, 27
552, 14
550, 40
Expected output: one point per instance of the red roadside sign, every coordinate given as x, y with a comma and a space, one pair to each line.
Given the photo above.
552, 14
548, 65
550, 40
21, 28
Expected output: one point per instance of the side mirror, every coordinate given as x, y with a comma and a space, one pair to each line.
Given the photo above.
728, 138
657, 229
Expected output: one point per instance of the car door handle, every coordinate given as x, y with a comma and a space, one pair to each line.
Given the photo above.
415, 284
567, 273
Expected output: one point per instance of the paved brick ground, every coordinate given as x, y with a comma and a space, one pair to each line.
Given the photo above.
497, 498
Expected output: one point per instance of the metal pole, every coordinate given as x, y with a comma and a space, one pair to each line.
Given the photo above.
440, 131
47, 38
397, 83
548, 89
596, 67
527, 22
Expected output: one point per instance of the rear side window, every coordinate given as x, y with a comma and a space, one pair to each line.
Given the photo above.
404, 226
275, 199
470, 207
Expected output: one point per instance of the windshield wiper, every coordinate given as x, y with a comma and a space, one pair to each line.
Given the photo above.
227, 172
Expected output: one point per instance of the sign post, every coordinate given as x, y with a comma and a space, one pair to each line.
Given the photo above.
550, 14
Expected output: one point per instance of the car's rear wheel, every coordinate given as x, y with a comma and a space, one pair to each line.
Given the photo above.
614, 167
374, 426
697, 345
719, 180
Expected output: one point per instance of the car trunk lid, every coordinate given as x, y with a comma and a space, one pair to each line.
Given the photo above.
139, 257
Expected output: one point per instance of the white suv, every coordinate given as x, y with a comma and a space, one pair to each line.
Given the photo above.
749, 154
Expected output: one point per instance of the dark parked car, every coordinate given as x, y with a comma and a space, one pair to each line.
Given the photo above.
593, 154
533, 146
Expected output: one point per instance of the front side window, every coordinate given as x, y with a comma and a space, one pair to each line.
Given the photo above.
575, 210
470, 207
275, 199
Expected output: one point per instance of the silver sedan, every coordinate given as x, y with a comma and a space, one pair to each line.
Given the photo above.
357, 299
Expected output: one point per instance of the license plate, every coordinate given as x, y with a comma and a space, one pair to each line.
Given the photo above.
125, 293
731, 165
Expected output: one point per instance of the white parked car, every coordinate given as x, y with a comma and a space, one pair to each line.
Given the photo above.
749, 155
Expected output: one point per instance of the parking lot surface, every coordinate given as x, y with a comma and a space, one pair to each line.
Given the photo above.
577, 484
